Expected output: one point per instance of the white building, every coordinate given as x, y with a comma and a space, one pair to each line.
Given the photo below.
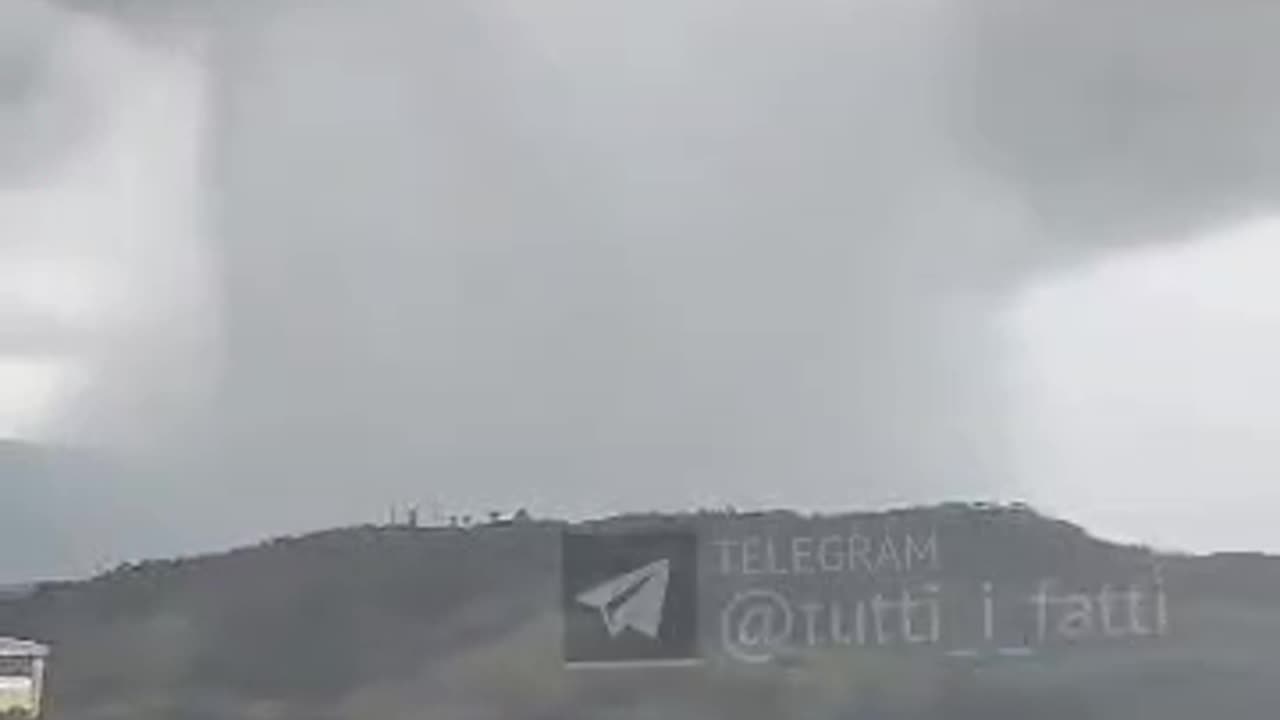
22, 666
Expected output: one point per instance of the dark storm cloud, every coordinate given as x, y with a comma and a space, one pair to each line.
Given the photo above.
510, 253
40, 119
584, 261
1125, 121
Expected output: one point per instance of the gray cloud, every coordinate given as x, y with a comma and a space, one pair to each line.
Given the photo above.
1129, 120
577, 261
41, 120
686, 252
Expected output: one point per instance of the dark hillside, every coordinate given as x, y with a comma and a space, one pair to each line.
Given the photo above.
449, 623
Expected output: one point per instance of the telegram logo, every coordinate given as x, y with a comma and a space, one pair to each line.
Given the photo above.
630, 599
634, 600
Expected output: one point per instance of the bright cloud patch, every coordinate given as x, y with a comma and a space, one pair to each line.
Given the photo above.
1147, 391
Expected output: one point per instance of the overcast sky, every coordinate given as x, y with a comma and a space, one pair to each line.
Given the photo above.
304, 263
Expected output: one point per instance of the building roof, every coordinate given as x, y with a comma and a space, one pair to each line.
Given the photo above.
14, 647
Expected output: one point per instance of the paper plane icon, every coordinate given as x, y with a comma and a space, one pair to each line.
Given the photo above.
634, 600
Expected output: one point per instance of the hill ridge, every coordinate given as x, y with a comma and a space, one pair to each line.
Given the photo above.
372, 621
